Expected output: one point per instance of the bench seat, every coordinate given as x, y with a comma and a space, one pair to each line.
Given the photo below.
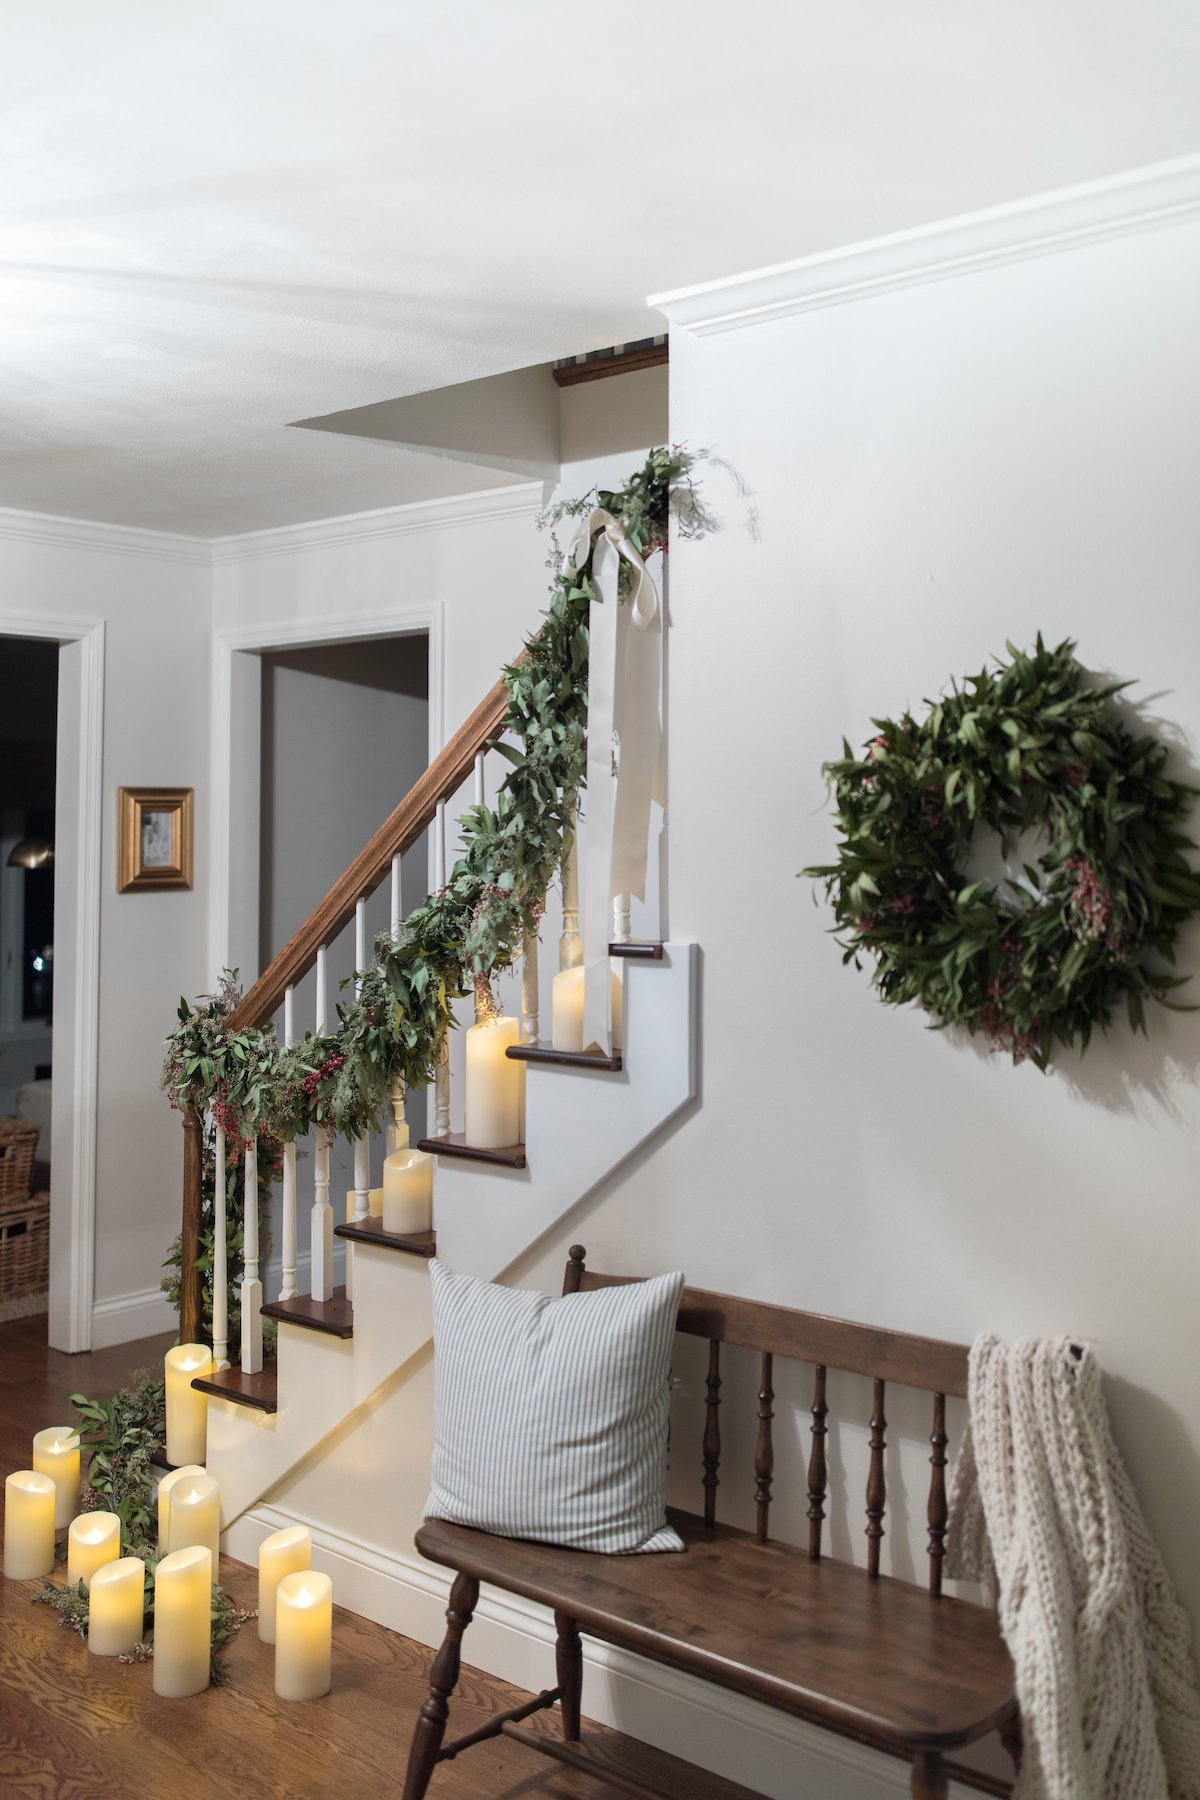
876, 1660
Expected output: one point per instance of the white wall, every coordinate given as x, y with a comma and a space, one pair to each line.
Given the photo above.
153, 595
937, 470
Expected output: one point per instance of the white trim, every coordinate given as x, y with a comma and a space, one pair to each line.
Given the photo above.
73, 1211
95, 534
513, 1638
1146, 199
486, 507
125, 1318
292, 634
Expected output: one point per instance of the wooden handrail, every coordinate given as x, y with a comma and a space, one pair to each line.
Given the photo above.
444, 776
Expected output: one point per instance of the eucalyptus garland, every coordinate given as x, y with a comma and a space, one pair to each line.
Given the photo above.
1026, 747
461, 937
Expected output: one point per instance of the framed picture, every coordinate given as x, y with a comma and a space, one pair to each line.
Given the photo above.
155, 845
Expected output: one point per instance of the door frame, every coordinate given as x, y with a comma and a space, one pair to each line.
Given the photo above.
75, 1053
236, 746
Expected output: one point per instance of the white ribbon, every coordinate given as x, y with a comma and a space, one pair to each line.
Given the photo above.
625, 747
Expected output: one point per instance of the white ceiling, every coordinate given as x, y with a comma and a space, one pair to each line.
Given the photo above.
219, 216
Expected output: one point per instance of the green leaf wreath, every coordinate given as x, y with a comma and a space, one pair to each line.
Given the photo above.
1026, 747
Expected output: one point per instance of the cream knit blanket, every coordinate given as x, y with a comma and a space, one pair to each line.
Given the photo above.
1041, 1504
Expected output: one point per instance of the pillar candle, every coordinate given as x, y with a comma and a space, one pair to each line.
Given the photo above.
408, 1192
28, 1525
93, 1540
286, 1552
374, 1204
56, 1453
194, 1516
183, 1622
187, 1408
117, 1607
303, 1636
566, 1011
493, 1107
164, 1500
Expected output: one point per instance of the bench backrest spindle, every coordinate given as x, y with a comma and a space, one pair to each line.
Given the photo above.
938, 1510
818, 1472
929, 1364
764, 1450
876, 1482
712, 1431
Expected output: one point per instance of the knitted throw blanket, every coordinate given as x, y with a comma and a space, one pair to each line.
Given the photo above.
1041, 1505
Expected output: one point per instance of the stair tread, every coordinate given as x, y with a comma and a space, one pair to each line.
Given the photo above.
578, 1059
257, 1391
512, 1156
335, 1317
637, 947
370, 1231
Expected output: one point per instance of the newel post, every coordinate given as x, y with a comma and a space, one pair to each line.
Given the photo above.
189, 1270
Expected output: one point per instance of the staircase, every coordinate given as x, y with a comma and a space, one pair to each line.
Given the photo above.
585, 1116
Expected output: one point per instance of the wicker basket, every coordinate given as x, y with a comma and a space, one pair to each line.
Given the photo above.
17, 1143
24, 1246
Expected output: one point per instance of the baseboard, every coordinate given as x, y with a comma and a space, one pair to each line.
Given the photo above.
126, 1317
512, 1638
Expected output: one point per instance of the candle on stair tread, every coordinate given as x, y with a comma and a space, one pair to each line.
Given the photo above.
493, 1084
566, 1011
187, 1407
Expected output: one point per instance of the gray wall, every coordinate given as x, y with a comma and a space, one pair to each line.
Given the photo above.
344, 736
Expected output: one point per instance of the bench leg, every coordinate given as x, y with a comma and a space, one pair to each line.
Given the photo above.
568, 1660
1010, 1737
929, 1778
443, 1679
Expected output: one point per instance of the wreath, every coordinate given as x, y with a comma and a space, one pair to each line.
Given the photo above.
1026, 747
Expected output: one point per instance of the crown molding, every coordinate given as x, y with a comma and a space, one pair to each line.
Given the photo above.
93, 534
486, 507
1146, 199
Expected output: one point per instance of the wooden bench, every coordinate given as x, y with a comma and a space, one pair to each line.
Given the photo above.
903, 1668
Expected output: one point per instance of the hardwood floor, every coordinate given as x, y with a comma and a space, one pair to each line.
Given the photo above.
78, 1727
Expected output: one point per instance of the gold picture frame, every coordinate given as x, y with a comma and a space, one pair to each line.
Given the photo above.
155, 839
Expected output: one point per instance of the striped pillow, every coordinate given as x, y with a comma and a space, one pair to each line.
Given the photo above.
551, 1414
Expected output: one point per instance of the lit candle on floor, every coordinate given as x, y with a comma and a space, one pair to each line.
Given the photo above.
304, 1636
164, 1500
183, 1622
116, 1607
56, 1453
194, 1516
187, 1408
93, 1540
493, 1106
566, 1011
28, 1525
286, 1552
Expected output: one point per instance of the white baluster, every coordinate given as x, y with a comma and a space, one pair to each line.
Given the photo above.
322, 1213
479, 794
252, 1293
570, 945
441, 1068
397, 912
288, 1288
621, 926
529, 989
441, 1090
362, 1144
220, 1310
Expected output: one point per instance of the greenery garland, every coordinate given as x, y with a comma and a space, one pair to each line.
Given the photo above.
121, 1436
1029, 746
461, 937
